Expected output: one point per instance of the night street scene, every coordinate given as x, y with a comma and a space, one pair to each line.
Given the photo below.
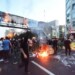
37, 37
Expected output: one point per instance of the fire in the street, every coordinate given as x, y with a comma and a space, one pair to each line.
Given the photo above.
43, 54
45, 51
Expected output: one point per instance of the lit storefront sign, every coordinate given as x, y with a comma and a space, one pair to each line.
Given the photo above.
73, 46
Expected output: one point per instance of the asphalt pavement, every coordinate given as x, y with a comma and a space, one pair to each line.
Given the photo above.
59, 64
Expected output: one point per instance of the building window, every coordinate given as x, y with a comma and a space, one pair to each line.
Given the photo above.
74, 23
68, 3
68, 21
73, 15
73, 6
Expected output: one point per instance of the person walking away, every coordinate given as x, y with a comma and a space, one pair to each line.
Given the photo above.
67, 43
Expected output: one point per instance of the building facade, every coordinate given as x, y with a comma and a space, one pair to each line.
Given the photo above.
70, 16
61, 31
50, 28
32, 23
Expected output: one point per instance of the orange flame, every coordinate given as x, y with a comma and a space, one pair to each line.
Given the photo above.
44, 51
43, 54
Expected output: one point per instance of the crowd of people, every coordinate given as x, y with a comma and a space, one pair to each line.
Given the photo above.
11, 47
60, 44
22, 45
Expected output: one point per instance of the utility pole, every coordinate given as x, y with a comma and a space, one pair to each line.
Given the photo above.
44, 14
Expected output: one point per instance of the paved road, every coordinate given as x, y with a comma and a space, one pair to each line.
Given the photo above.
54, 65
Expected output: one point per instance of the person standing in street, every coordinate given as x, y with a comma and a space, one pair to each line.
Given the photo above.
24, 48
67, 43
1, 49
54, 42
6, 49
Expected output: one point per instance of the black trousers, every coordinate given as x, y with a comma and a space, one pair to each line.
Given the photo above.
55, 49
6, 54
25, 62
1, 54
67, 50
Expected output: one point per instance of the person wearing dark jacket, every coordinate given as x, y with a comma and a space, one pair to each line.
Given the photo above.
24, 48
54, 42
67, 43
